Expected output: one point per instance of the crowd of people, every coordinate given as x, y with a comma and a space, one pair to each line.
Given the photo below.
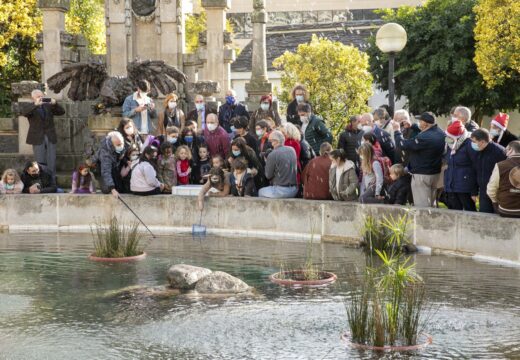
230, 152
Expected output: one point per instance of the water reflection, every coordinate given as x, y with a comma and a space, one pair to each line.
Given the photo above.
56, 304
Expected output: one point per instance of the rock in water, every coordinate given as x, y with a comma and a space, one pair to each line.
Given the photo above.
182, 276
219, 282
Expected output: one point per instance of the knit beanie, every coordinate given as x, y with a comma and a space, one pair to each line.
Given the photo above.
501, 120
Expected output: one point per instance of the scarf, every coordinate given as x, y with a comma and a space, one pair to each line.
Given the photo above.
458, 143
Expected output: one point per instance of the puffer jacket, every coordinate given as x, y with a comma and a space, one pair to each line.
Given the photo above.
349, 141
348, 183
461, 176
316, 133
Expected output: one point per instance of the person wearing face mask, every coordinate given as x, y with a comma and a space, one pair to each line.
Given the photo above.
200, 113
299, 96
314, 129
108, 161
262, 131
172, 137
488, 155
37, 179
216, 137
144, 176
343, 181
350, 139
240, 124
218, 185
193, 142
171, 116
10, 182
240, 150
504, 185
140, 108
425, 154
131, 136
266, 110
384, 138
498, 130
166, 168
230, 109
128, 163
460, 178
241, 180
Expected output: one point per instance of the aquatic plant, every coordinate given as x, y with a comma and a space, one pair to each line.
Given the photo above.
115, 239
388, 234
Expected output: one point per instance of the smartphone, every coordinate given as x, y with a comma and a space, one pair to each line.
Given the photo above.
46, 100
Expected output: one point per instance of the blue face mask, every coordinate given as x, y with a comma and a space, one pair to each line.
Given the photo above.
233, 128
236, 152
172, 140
188, 139
199, 106
230, 100
119, 149
9, 186
474, 146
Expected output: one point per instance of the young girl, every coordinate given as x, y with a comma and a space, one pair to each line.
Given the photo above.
218, 183
129, 163
241, 181
400, 189
166, 167
203, 166
144, 176
343, 180
11, 183
82, 181
183, 156
372, 177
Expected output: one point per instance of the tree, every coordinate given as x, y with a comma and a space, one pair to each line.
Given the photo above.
87, 17
335, 75
435, 70
195, 25
497, 36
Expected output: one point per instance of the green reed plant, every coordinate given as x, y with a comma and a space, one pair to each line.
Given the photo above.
115, 239
388, 234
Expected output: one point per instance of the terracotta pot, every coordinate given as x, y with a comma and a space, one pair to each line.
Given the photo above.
427, 340
92, 257
327, 278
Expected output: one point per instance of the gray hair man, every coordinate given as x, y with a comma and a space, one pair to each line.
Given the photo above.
463, 114
280, 169
109, 160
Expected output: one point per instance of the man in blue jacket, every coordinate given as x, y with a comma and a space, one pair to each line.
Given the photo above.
383, 137
489, 154
425, 151
229, 110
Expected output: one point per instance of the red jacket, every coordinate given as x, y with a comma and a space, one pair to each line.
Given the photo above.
315, 178
297, 147
218, 142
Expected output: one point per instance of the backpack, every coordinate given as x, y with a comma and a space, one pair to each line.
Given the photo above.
385, 163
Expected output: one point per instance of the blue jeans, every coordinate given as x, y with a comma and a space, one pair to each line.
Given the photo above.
278, 192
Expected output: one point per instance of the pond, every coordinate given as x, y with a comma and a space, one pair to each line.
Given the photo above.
55, 304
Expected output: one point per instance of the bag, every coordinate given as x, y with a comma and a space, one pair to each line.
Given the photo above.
385, 165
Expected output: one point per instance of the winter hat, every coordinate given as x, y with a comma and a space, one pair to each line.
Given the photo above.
427, 117
455, 130
501, 120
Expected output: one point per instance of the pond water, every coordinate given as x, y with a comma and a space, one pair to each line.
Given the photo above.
55, 304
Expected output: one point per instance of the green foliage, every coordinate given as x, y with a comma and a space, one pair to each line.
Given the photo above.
335, 75
87, 17
497, 34
115, 240
435, 70
389, 234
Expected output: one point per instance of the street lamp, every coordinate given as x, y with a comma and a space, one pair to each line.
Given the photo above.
390, 39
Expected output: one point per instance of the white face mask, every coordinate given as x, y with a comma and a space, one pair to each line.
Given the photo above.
494, 132
304, 119
259, 133
367, 128
299, 98
212, 127
129, 131
359, 127
134, 157
172, 105
264, 106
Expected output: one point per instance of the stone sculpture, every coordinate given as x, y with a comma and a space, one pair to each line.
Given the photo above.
90, 81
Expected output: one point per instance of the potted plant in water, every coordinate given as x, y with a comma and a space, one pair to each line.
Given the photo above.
388, 312
116, 242
307, 275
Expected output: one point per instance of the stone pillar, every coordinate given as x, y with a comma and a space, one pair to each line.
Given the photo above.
22, 91
191, 64
208, 89
259, 84
53, 26
216, 68
118, 19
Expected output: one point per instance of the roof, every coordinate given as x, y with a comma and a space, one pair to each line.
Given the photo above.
287, 38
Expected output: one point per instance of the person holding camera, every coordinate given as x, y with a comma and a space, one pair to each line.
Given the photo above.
37, 179
141, 109
42, 133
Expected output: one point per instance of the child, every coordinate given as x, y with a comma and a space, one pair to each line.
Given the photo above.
399, 191
82, 181
11, 183
183, 156
201, 169
166, 167
130, 162
242, 183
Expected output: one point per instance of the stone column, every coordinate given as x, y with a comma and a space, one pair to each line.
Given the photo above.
216, 69
259, 84
118, 20
53, 26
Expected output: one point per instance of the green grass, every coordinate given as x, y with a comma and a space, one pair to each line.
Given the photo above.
115, 239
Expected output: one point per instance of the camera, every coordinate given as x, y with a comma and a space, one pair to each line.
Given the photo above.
46, 100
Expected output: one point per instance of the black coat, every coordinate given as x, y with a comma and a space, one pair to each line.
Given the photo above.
306, 153
45, 179
193, 114
292, 113
349, 141
41, 124
485, 163
227, 112
506, 138
387, 145
399, 191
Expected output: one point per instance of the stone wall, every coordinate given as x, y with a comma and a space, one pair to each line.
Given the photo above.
456, 232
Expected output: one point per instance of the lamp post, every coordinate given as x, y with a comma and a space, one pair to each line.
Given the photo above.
390, 39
